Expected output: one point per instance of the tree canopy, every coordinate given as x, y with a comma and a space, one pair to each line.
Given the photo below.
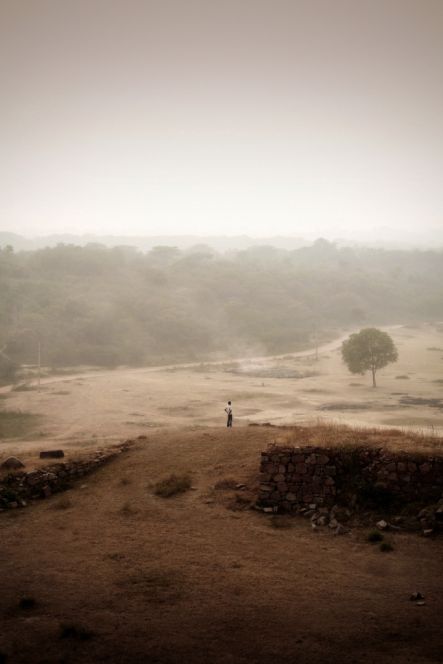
95, 305
369, 350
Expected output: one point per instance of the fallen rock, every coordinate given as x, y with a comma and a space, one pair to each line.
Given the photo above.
382, 525
416, 596
12, 463
341, 530
52, 454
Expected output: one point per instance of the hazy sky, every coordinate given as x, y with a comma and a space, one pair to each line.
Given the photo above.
220, 116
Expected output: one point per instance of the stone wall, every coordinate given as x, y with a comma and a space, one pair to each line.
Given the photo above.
18, 488
294, 477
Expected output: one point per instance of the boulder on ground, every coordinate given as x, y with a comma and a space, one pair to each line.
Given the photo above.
52, 454
12, 463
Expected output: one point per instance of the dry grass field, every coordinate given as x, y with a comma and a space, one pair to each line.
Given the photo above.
119, 574
110, 571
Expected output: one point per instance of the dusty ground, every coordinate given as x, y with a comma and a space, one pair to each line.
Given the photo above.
85, 410
187, 579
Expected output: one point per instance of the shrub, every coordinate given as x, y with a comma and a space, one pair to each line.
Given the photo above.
73, 631
63, 504
279, 521
375, 536
172, 485
386, 547
27, 603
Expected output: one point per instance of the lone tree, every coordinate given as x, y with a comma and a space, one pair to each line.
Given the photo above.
369, 349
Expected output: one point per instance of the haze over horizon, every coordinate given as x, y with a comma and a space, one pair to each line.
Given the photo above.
294, 118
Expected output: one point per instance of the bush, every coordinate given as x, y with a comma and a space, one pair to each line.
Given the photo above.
386, 547
73, 631
27, 603
172, 485
375, 536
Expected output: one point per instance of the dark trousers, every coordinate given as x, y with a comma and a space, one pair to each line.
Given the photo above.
229, 422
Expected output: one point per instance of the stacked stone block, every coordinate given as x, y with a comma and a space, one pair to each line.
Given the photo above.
294, 477
18, 488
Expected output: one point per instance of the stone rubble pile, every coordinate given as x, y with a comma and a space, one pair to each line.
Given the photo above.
20, 487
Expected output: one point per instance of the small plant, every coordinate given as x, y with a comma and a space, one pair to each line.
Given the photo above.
375, 536
63, 504
279, 521
386, 547
26, 603
172, 485
225, 484
73, 631
128, 510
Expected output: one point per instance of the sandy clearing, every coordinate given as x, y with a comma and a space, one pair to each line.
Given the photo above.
92, 409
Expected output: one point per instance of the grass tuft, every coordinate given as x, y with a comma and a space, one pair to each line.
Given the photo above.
26, 603
280, 521
77, 632
172, 485
63, 504
375, 536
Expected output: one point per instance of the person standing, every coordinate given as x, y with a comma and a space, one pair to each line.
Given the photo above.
228, 411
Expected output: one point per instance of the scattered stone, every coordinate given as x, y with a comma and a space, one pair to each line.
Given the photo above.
427, 532
416, 596
341, 530
382, 524
240, 487
52, 454
12, 463
420, 603
333, 523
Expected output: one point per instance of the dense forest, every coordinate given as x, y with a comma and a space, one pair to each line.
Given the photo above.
109, 306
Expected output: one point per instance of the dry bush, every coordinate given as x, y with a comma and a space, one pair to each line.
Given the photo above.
226, 484
77, 632
280, 521
375, 536
63, 504
128, 510
26, 603
172, 485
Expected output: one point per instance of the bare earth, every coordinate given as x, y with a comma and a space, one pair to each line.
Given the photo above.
192, 578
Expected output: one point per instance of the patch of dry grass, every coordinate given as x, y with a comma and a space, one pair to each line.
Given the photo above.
172, 485
331, 434
16, 423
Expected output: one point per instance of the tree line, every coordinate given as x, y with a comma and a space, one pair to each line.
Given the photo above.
96, 305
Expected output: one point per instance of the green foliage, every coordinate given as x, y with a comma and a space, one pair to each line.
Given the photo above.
375, 536
368, 350
94, 305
